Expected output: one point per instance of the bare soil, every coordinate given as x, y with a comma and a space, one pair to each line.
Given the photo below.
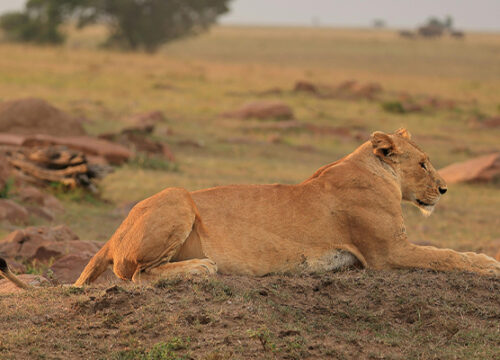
357, 314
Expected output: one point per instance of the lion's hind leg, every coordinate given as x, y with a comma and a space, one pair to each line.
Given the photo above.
174, 269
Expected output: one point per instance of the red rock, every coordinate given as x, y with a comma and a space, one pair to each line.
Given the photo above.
190, 143
56, 249
12, 139
305, 86
36, 116
347, 85
368, 91
40, 212
146, 145
114, 153
481, 169
12, 212
263, 110
271, 91
275, 139
148, 119
25, 243
279, 126
67, 269
490, 123
7, 287
137, 139
438, 103
33, 195
409, 107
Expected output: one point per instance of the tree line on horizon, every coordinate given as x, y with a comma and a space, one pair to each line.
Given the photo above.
133, 24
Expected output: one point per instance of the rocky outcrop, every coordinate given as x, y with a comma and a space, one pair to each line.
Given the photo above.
481, 169
37, 116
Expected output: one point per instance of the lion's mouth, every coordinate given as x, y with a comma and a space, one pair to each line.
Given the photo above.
421, 203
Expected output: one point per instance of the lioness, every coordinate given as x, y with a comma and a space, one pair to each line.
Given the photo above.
347, 213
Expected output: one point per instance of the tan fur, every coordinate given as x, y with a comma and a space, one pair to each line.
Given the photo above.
7, 274
347, 212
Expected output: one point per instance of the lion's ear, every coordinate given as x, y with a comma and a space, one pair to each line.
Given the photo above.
383, 146
403, 133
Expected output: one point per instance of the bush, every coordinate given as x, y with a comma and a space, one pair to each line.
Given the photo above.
393, 107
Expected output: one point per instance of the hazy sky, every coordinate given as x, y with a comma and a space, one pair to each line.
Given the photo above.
468, 14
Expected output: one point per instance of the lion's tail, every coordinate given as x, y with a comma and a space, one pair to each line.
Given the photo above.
96, 266
6, 273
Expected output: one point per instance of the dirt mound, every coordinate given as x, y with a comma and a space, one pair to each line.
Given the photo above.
36, 116
264, 110
481, 169
344, 315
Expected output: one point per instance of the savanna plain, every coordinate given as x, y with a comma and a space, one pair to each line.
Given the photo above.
351, 314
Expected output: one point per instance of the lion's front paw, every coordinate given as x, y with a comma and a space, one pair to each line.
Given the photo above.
203, 267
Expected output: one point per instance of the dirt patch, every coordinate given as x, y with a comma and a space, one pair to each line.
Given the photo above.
36, 116
344, 315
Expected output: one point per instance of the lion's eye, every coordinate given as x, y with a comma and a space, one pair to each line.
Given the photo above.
422, 164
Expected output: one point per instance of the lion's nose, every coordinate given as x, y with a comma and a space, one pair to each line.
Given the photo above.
443, 189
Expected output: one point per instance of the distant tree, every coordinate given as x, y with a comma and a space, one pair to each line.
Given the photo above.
448, 23
147, 24
133, 24
39, 22
378, 23
435, 22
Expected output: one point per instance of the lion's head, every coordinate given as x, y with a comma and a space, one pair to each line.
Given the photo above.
420, 182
